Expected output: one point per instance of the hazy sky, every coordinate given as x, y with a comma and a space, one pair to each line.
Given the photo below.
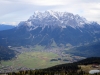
14, 11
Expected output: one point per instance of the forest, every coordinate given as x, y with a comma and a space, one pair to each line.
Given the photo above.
6, 53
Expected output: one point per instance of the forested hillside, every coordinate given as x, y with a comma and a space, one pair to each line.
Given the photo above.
91, 50
6, 53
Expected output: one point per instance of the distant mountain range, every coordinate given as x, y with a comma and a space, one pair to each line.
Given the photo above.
54, 19
5, 27
50, 29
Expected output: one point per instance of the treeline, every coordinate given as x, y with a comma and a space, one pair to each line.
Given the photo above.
64, 69
92, 60
41, 72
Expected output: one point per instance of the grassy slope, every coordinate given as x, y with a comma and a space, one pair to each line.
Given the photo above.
38, 47
86, 68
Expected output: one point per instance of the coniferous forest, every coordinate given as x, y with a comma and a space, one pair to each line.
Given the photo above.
6, 53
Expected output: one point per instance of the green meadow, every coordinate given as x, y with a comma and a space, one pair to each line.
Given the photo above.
33, 60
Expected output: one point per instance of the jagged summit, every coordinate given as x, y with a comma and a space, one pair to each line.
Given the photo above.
55, 18
49, 27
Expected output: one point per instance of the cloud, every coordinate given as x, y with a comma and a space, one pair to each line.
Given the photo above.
10, 23
37, 2
47, 2
19, 10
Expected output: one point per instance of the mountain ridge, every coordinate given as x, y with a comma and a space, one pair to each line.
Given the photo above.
5, 27
37, 31
54, 18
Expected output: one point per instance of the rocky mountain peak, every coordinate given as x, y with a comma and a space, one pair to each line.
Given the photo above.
55, 18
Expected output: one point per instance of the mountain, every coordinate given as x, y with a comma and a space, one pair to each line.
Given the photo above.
87, 50
51, 29
6, 53
5, 27
53, 18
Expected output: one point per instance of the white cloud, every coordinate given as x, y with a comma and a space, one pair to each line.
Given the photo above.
47, 2
10, 23
19, 10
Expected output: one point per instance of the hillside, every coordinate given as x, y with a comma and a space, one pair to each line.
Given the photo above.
5, 27
6, 53
89, 50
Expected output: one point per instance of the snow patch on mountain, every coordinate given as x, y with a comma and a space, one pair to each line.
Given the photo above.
54, 18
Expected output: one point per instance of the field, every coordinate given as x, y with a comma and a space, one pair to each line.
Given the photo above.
87, 68
33, 60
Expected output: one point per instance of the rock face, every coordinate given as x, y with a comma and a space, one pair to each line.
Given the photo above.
51, 27
52, 18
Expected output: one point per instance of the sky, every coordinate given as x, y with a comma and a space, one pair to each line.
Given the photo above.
14, 11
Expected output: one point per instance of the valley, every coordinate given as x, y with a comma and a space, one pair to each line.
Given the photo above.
88, 66
31, 58
47, 39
